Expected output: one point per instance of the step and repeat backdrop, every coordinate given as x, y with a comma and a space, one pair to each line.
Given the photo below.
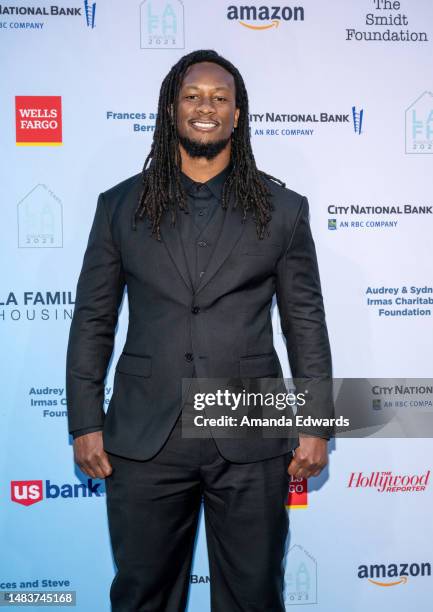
341, 109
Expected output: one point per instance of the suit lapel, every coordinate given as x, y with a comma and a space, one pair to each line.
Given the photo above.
172, 239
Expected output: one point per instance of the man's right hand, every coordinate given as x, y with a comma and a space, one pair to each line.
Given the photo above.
90, 456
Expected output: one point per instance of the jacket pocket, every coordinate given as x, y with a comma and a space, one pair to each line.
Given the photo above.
134, 365
255, 366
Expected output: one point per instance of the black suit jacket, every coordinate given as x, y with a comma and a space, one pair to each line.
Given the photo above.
222, 328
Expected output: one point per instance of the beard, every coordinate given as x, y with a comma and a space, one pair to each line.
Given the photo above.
209, 150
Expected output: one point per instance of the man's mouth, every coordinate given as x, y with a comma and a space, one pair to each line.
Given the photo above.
204, 126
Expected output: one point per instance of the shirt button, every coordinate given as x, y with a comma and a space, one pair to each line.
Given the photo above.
189, 356
201, 273
202, 243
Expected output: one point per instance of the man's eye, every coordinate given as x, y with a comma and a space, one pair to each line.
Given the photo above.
191, 96
220, 99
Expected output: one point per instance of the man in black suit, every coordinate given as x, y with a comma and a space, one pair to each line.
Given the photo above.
202, 240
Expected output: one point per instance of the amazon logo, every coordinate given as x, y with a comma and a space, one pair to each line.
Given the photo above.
264, 17
393, 574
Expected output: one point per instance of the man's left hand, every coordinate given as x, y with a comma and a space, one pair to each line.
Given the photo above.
310, 457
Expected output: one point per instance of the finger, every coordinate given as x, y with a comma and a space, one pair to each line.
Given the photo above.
87, 471
293, 467
313, 471
298, 471
300, 474
98, 467
88, 468
99, 474
100, 464
104, 465
302, 461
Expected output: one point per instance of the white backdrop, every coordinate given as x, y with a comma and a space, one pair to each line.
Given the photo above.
106, 60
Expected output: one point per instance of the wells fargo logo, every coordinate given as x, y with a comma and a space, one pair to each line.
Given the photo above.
264, 17
38, 120
393, 574
298, 493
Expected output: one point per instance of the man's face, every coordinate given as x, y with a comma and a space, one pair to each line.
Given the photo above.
206, 111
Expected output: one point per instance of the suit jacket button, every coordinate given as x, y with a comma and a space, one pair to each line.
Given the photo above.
189, 356
195, 309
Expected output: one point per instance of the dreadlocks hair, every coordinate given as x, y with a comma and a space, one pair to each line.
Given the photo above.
162, 187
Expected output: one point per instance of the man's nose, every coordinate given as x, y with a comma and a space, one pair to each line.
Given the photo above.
206, 105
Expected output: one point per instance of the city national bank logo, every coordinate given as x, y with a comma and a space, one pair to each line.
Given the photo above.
300, 581
162, 24
357, 118
89, 13
264, 17
419, 125
29, 492
298, 493
199, 579
38, 120
40, 222
393, 574
366, 216
18, 17
295, 124
387, 482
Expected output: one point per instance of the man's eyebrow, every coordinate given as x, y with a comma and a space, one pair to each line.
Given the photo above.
215, 88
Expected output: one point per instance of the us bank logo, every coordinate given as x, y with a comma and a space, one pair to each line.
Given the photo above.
40, 219
29, 492
264, 17
419, 125
300, 578
162, 24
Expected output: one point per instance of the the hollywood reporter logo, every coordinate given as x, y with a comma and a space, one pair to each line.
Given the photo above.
388, 482
28, 492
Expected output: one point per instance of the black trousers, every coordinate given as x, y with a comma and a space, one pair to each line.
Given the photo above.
153, 508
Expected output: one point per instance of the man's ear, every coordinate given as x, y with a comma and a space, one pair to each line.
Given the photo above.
236, 121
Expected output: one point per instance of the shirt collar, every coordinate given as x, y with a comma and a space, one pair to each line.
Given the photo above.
215, 184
